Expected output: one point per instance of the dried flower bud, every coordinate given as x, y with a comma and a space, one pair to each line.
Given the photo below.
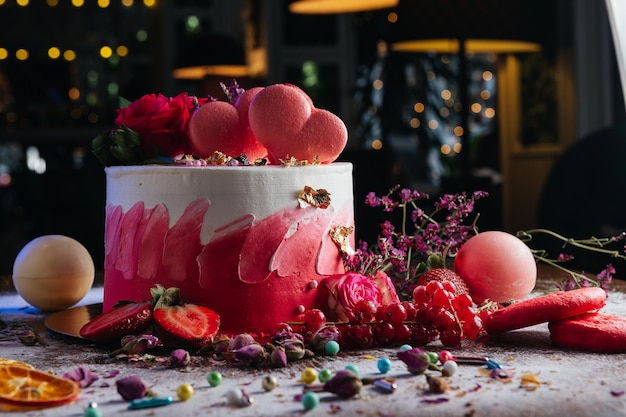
251, 355
293, 343
135, 344
241, 340
179, 358
416, 360
437, 384
324, 335
278, 358
344, 383
294, 350
221, 344
131, 388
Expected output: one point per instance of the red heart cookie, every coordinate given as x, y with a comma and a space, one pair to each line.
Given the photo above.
222, 126
285, 121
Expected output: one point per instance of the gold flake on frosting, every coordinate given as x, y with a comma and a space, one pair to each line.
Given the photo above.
340, 235
312, 197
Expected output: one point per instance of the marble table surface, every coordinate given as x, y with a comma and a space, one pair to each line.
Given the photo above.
570, 384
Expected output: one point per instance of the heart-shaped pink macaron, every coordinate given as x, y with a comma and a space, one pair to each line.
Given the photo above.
222, 126
285, 121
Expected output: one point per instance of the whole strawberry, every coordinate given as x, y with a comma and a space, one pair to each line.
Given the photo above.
443, 275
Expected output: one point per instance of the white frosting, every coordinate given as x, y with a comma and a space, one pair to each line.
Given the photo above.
233, 191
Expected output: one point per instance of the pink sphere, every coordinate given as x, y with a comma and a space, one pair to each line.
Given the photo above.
496, 266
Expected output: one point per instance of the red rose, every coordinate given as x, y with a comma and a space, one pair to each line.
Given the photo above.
160, 122
346, 290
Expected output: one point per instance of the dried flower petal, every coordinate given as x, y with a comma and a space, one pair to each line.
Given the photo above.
82, 375
131, 388
530, 382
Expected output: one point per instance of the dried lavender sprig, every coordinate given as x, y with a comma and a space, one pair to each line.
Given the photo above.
592, 244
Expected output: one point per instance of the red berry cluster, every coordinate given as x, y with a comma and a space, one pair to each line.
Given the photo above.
437, 311
453, 317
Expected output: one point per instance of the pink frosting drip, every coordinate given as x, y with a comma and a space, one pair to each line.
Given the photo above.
254, 274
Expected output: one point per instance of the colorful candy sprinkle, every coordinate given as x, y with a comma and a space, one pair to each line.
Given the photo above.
214, 378
331, 348
325, 375
353, 368
310, 400
384, 365
308, 376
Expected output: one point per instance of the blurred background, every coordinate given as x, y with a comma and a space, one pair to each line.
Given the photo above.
441, 96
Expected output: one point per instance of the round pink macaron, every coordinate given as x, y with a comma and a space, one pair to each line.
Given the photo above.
285, 121
219, 126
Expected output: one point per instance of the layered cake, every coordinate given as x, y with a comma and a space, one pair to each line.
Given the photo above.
241, 240
251, 240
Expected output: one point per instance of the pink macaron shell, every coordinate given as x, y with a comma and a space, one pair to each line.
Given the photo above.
217, 126
285, 122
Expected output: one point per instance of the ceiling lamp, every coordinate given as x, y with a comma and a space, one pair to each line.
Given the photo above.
339, 6
475, 46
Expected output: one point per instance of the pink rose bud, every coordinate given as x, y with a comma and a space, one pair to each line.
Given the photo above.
131, 388
221, 344
241, 340
344, 384
135, 344
179, 358
251, 355
416, 360
278, 358
325, 334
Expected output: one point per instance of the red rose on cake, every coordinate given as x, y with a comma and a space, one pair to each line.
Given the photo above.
160, 121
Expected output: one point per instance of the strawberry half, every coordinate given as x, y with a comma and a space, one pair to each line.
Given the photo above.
442, 275
183, 323
110, 327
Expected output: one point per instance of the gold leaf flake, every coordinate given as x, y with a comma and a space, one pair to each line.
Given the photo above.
530, 382
312, 197
340, 235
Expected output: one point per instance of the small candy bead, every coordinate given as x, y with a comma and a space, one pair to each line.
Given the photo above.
269, 383
184, 392
92, 410
353, 368
331, 348
310, 400
214, 378
234, 397
308, 376
445, 355
433, 357
405, 347
449, 368
325, 375
384, 365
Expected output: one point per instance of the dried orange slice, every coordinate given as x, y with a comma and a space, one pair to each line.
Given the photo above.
6, 361
30, 387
